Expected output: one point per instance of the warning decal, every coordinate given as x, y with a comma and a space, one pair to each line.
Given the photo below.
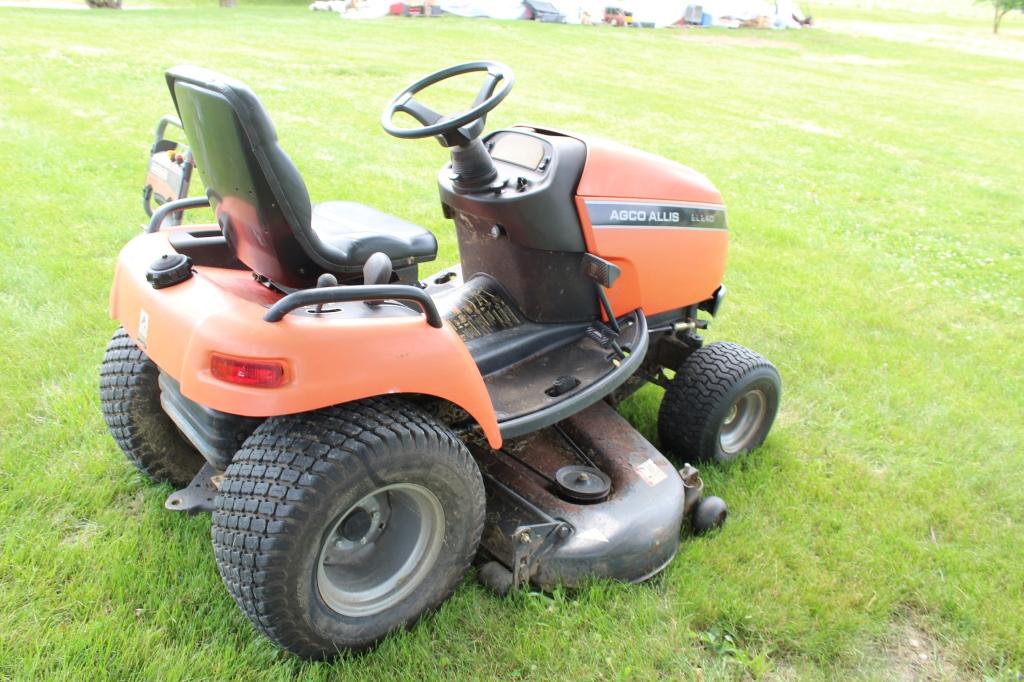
650, 472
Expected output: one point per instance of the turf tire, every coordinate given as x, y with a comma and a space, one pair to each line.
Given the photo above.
130, 400
699, 399
295, 475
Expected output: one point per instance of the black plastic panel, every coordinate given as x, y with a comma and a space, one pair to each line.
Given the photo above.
494, 331
205, 247
548, 286
541, 215
216, 435
254, 189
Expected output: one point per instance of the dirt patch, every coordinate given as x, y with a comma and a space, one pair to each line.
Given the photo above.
1009, 84
783, 672
804, 126
86, 50
81, 532
852, 60
888, 149
976, 41
701, 38
910, 653
72, 53
132, 504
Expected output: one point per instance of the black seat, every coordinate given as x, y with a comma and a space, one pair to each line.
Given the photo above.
262, 203
356, 231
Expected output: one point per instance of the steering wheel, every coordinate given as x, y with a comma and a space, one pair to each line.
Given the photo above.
454, 129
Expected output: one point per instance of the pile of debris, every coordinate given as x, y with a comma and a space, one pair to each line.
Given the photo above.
631, 13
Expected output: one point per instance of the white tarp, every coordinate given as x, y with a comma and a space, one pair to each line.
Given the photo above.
788, 14
743, 10
657, 12
573, 10
496, 9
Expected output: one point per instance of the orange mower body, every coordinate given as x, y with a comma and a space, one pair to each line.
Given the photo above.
328, 360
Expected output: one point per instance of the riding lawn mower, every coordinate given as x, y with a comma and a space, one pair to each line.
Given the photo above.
363, 434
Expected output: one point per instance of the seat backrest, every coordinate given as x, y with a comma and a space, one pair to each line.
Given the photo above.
257, 193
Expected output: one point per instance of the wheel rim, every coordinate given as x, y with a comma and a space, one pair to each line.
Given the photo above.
380, 549
743, 422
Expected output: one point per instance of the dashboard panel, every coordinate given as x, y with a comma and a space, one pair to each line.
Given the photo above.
519, 149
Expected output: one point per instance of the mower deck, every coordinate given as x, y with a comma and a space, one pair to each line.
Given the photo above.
544, 538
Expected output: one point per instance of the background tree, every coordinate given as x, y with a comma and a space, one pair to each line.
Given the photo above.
1001, 8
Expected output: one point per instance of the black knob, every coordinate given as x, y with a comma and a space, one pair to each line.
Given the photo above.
377, 269
168, 270
326, 280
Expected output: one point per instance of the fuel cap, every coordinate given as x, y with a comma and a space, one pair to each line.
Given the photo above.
168, 270
579, 483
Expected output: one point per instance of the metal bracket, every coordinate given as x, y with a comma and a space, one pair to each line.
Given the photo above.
197, 496
531, 543
693, 487
176, 206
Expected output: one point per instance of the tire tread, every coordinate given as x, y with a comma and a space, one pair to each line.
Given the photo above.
130, 401
701, 383
271, 488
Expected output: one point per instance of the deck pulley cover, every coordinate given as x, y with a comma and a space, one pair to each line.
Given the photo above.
578, 483
168, 270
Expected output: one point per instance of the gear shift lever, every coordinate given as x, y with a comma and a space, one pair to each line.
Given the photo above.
377, 269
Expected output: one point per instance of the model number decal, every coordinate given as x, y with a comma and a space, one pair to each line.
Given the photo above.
630, 214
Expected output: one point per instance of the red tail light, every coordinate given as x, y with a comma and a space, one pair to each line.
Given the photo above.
247, 372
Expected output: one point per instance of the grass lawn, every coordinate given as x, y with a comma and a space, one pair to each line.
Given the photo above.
875, 197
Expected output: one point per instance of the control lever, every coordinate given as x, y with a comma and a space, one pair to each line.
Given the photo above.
377, 270
601, 271
325, 280
604, 274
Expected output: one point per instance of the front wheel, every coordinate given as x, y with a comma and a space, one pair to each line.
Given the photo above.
720, 405
333, 528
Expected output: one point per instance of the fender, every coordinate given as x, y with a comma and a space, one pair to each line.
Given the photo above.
328, 360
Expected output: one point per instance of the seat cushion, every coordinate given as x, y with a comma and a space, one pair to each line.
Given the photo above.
350, 233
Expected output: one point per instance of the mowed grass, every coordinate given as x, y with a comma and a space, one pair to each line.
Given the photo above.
874, 192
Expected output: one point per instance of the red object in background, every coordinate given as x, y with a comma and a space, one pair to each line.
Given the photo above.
406, 10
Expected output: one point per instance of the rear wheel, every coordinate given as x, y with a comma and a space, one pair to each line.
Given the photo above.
333, 528
130, 400
720, 405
